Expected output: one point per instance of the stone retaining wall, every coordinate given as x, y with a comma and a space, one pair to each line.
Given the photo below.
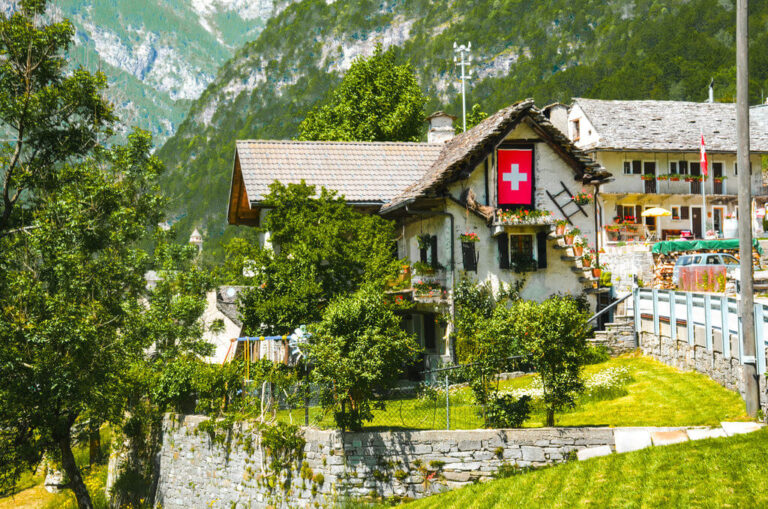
680, 354
195, 473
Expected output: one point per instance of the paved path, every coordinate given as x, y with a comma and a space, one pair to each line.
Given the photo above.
634, 439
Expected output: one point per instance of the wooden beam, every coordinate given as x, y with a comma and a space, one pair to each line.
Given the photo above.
568, 158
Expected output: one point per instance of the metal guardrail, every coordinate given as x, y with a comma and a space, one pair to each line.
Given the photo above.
713, 312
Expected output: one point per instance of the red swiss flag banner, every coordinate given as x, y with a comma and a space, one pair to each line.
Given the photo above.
515, 176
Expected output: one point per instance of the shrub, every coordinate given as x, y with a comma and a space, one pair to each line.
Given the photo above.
553, 334
506, 411
359, 352
595, 354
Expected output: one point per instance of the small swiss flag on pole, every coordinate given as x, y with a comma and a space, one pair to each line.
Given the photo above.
703, 159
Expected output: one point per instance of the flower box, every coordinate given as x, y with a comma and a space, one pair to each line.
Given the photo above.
648, 176
469, 237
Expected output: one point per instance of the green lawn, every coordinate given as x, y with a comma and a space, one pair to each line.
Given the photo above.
658, 395
723, 472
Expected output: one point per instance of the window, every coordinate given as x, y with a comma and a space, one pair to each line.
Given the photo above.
468, 256
682, 167
685, 212
695, 168
713, 260
428, 250
627, 213
673, 167
576, 130
633, 167
517, 251
675, 212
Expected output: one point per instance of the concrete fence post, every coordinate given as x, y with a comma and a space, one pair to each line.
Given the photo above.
725, 327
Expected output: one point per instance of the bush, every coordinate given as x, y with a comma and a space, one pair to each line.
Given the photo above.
595, 354
359, 352
506, 411
554, 335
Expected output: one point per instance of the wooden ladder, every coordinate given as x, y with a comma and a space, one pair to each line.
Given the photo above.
561, 207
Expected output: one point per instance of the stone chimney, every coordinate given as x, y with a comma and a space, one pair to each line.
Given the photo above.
557, 114
440, 127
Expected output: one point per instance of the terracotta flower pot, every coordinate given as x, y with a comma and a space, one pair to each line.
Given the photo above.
559, 229
596, 272
578, 250
569, 240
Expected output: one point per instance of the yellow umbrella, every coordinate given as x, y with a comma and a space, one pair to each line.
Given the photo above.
656, 212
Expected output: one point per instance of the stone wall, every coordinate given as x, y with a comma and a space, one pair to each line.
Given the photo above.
618, 336
195, 473
680, 354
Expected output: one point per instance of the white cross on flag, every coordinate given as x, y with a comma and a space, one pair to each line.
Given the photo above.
515, 176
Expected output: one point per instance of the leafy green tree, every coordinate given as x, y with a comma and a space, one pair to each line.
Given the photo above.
48, 113
554, 335
377, 100
318, 248
65, 285
358, 351
474, 117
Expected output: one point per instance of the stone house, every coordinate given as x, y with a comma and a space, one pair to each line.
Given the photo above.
459, 202
651, 149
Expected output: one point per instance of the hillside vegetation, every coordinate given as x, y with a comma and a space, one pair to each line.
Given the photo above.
551, 51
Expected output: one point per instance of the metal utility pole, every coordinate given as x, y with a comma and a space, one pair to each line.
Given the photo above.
746, 302
466, 74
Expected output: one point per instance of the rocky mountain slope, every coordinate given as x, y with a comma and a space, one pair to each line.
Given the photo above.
552, 51
160, 55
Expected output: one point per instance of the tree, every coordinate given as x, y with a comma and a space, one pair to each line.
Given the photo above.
66, 286
377, 100
554, 336
50, 115
358, 351
474, 117
318, 248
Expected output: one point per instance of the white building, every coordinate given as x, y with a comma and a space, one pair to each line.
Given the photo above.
480, 182
651, 149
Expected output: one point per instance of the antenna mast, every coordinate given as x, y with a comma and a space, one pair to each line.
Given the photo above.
466, 74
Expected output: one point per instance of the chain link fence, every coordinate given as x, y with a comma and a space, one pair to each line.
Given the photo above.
444, 400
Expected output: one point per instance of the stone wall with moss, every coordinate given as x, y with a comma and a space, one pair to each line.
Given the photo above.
198, 469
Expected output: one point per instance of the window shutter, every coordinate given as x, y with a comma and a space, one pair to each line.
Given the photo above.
433, 245
503, 243
541, 249
468, 256
638, 213
429, 332
684, 212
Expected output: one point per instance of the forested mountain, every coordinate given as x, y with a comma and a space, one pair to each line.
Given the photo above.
552, 51
159, 55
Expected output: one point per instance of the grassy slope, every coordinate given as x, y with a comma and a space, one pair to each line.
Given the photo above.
725, 472
658, 396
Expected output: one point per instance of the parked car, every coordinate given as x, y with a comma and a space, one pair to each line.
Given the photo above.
731, 264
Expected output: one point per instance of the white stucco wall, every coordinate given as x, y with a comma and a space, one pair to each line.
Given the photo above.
221, 340
549, 171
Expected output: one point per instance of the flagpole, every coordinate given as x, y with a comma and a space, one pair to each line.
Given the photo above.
703, 172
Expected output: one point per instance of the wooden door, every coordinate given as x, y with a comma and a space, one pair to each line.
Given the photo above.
696, 222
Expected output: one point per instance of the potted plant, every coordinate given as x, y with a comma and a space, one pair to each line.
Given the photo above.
596, 271
423, 269
720, 179
578, 247
586, 259
560, 225
582, 198
469, 237
569, 236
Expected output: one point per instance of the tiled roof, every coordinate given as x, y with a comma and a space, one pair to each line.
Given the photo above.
361, 171
467, 149
667, 126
